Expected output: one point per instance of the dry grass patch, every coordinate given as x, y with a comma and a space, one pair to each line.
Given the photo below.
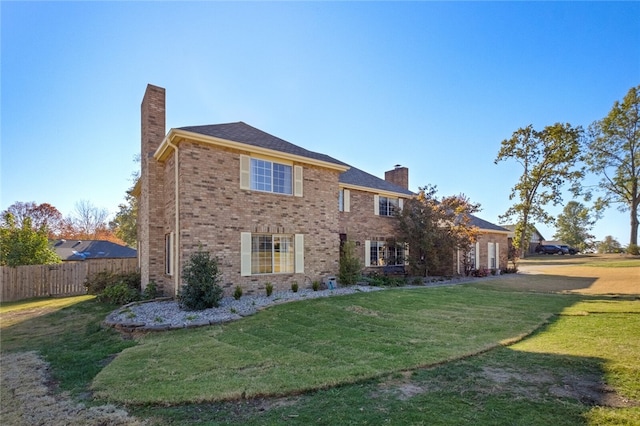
27, 398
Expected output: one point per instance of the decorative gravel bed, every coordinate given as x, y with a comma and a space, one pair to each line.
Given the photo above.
159, 315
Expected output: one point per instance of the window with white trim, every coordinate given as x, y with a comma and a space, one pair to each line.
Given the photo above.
269, 176
381, 253
271, 253
386, 206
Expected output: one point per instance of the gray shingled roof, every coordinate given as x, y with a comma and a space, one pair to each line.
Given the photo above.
483, 224
244, 133
357, 177
92, 249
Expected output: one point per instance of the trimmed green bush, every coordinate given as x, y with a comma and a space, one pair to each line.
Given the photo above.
238, 293
294, 286
633, 249
315, 285
202, 277
268, 288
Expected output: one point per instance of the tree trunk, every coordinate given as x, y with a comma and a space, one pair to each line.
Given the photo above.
634, 225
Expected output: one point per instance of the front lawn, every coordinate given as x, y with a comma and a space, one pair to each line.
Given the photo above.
317, 344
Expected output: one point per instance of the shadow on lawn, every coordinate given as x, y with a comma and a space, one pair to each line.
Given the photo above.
501, 386
540, 283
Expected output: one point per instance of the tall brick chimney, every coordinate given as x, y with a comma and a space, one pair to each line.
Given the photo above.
398, 176
150, 213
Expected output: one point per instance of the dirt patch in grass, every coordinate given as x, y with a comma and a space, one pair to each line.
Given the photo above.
28, 398
587, 389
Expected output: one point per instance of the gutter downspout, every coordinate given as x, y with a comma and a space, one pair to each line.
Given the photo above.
176, 258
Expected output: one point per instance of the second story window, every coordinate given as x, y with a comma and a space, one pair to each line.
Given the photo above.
387, 206
268, 176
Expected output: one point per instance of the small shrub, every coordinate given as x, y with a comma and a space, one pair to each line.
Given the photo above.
238, 293
294, 286
98, 282
202, 277
633, 249
150, 291
417, 281
268, 288
315, 285
119, 294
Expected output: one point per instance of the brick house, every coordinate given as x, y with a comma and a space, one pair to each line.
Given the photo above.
270, 210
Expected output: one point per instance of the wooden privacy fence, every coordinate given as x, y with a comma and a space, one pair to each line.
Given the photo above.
62, 279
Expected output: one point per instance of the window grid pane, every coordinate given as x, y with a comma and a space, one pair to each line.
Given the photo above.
281, 178
261, 254
260, 175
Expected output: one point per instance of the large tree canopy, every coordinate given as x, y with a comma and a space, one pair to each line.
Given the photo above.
548, 159
41, 216
24, 245
433, 229
613, 152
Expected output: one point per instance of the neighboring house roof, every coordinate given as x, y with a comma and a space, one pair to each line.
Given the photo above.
357, 177
512, 229
244, 133
487, 226
92, 249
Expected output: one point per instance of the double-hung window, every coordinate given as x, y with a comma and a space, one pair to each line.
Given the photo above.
268, 176
387, 206
271, 253
265, 175
381, 253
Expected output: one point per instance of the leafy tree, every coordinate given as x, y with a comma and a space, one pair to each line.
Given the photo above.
350, 265
609, 245
124, 223
614, 154
433, 229
41, 216
573, 225
548, 159
22, 245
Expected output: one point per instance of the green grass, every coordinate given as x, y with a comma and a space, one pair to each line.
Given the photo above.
69, 337
427, 356
321, 343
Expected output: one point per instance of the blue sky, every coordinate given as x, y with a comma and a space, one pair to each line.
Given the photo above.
432, 86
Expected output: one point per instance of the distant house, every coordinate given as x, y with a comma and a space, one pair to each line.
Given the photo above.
92, 249
536, 238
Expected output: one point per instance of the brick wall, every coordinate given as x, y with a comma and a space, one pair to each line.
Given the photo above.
214, 211
361, 223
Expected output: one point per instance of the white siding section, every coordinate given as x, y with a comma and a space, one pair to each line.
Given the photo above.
245, 254
245, 174
367, 253
299, 247
297, 181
